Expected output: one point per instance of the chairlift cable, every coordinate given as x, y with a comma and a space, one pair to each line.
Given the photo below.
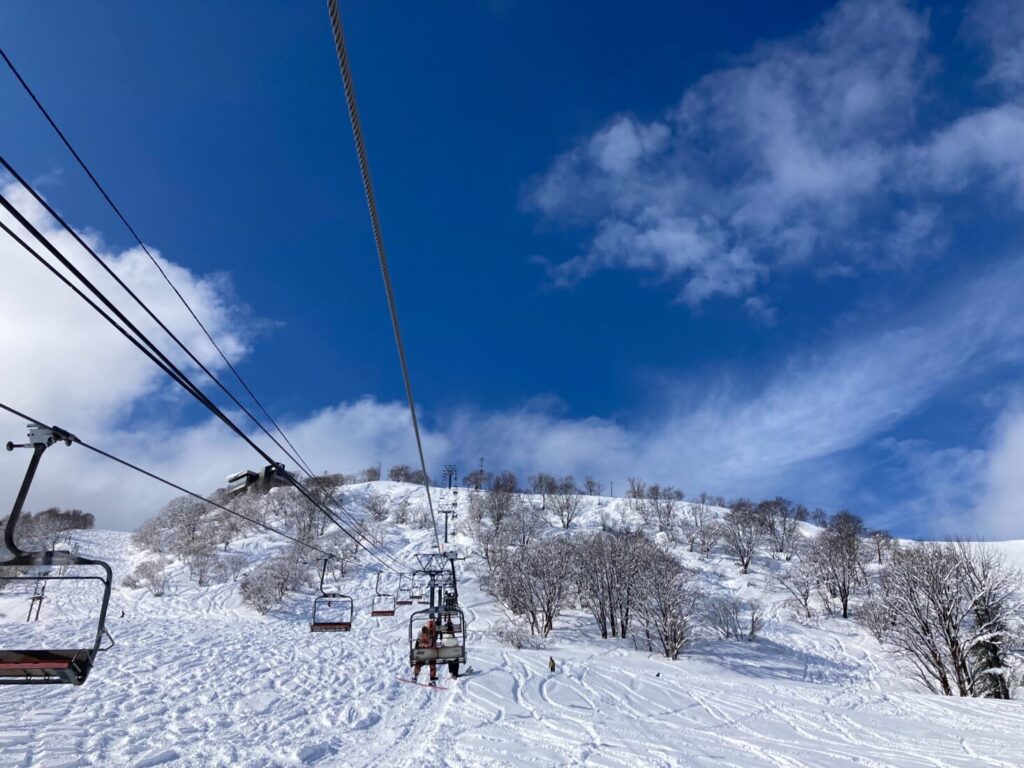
46, 205
182, 489
378, 236
158, 358
300, 461
161, 360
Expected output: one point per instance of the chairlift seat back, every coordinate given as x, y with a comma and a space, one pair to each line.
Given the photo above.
40, 667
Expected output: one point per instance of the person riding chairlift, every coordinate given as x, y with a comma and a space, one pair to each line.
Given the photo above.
427, 639
453, 665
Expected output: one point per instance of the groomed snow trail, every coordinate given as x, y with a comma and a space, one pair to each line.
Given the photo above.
197, 679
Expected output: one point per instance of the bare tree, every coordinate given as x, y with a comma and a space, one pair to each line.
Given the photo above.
883, 543
400, 473
839, 555
377, 505
668, 601
234, 564
151, 574
535, 581
565, 500
702, 527
733, 618
636, 498
610, 572
592, 487
47, 529
371, 474
542, 484
781, 526
800, 579
499, 500
951, 612
742, 532
266, 585
662, 507
524, 522
227, 527
202, 563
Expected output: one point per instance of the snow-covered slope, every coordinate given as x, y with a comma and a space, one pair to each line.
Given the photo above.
198, 679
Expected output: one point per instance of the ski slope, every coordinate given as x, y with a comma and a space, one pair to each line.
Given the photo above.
198, 679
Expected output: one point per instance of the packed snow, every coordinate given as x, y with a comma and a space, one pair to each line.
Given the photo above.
196, 678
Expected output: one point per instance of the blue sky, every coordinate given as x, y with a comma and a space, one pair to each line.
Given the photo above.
739, 249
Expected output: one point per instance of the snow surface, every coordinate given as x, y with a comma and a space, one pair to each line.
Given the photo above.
198, 679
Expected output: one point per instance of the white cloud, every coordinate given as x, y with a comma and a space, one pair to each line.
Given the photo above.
767, 163
999, 24
809, 154
60, 355
1000, 511
775, 434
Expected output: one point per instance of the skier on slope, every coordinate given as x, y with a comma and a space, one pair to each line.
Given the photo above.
427, 639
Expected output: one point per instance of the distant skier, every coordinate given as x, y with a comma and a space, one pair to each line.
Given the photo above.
551, 663
427, 639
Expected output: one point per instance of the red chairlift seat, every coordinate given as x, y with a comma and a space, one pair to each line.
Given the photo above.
337, 603
329, 600
57, 666
50, 665
383, 603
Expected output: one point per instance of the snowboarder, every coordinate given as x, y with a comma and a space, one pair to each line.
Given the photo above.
427, 639
551, 663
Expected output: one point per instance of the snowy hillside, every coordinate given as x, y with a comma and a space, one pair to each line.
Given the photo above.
199, 679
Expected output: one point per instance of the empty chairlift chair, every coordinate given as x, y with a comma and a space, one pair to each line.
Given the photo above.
332, 611
416, 592
41, 665
383, 602
405, 590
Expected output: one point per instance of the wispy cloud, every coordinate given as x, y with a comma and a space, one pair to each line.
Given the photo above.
762, 165
809, 154
777, 434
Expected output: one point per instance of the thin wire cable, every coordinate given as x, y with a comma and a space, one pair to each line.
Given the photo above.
165, 481
191, 388
37, 234
171, 371
10, 64
378, 236
165, 364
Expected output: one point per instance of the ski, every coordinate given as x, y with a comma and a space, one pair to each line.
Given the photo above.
407, 681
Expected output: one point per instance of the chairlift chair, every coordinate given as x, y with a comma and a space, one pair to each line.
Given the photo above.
451, 646
383, 602
332, 611
37, 666
404, 590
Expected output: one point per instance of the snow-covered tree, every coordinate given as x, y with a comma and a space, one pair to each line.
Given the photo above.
667, 601
951, 612
779, 518
565, 500
742, 532
839, 555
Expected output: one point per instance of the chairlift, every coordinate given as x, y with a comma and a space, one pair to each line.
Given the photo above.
450, 648
49, 665
383, 602
332, 611
416, 592
405, 590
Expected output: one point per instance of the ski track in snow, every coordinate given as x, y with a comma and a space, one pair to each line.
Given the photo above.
197, 679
